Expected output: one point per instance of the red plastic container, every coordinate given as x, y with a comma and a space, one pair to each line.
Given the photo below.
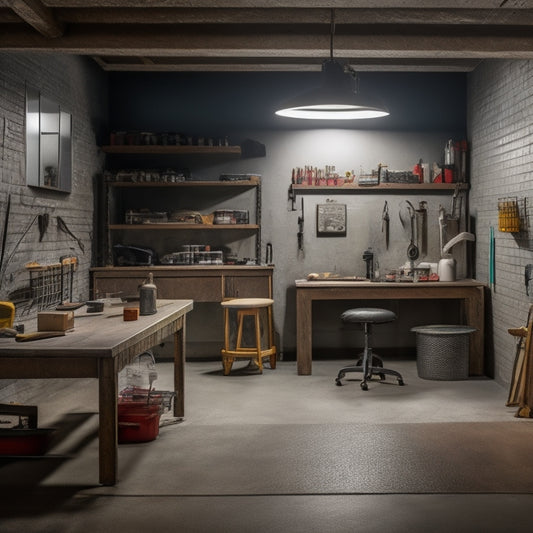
24, 441
137, 407
138, 426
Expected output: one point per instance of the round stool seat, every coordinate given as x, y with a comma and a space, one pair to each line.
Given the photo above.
235, 345
240, 303
371, 315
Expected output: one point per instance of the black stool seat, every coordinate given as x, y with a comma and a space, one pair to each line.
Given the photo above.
372, 315
369, 365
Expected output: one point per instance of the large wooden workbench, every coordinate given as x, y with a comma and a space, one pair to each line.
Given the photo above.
99, 347
469, 292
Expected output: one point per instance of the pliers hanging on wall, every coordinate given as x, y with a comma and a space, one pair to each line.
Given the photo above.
385, 223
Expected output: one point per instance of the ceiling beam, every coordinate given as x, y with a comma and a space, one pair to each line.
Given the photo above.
295, 16
450, 35
38, 16
125, 64
404, 4
168, 41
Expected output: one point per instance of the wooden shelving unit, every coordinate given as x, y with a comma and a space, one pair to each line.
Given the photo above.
115, 191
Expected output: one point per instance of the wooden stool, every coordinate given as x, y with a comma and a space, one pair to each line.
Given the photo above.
248, 307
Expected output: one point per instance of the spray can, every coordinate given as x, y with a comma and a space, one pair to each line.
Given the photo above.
449, 155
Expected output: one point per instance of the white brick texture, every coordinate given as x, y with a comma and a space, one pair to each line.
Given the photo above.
80, 87
500, 98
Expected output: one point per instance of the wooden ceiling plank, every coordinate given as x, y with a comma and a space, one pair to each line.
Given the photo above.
38, 16
151, 15
194, 16
337, 4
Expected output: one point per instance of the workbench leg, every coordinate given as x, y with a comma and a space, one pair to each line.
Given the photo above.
107, 427
475, 317
304, 333
179, 370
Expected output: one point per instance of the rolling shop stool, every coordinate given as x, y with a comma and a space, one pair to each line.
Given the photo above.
248, 307
370, 364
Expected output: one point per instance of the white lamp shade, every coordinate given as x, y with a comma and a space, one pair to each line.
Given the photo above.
335, 99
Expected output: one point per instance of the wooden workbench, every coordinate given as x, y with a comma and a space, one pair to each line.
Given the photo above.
99, 347
469, 292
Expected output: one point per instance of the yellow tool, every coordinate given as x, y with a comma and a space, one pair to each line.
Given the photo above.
7, 314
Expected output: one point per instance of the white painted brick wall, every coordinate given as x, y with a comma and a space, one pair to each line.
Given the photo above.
500, 104
80, 87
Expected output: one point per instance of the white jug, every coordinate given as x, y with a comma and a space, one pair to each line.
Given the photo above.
446, 269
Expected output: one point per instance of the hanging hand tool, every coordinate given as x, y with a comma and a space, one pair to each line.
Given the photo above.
292, 197
63, 227
528, 276
452, 220
8, 260
42, 221
301, 229
412, 250
422, 226
385, 219
4, 231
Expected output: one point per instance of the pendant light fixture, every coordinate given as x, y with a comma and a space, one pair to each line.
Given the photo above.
338, 98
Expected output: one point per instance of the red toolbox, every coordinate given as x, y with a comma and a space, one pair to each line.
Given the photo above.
19, 434
24, 441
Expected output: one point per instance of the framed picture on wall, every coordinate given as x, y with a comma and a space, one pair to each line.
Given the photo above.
331, 220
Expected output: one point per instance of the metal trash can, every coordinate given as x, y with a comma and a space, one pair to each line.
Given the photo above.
442, 351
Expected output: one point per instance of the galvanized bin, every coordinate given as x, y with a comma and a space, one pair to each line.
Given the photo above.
442, 351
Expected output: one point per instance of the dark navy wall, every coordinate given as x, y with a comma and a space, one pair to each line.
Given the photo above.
426, 111
216, 104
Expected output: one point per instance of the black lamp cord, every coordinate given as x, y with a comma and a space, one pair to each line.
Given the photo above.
347, 68
332, 33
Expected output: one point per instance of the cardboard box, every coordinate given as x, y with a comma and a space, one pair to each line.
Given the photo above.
55, 320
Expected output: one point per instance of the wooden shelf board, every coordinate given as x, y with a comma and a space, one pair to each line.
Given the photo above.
381, 187
177, 226
190, 183
172, 149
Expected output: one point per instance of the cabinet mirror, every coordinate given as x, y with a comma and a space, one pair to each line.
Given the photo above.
48, 143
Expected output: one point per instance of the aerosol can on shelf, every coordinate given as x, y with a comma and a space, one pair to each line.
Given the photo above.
449, 155
148, 297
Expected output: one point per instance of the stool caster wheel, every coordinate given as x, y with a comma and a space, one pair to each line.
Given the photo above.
338, 379
382, 377
364, 386
401, 383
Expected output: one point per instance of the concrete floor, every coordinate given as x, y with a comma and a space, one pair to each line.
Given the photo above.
61, 493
